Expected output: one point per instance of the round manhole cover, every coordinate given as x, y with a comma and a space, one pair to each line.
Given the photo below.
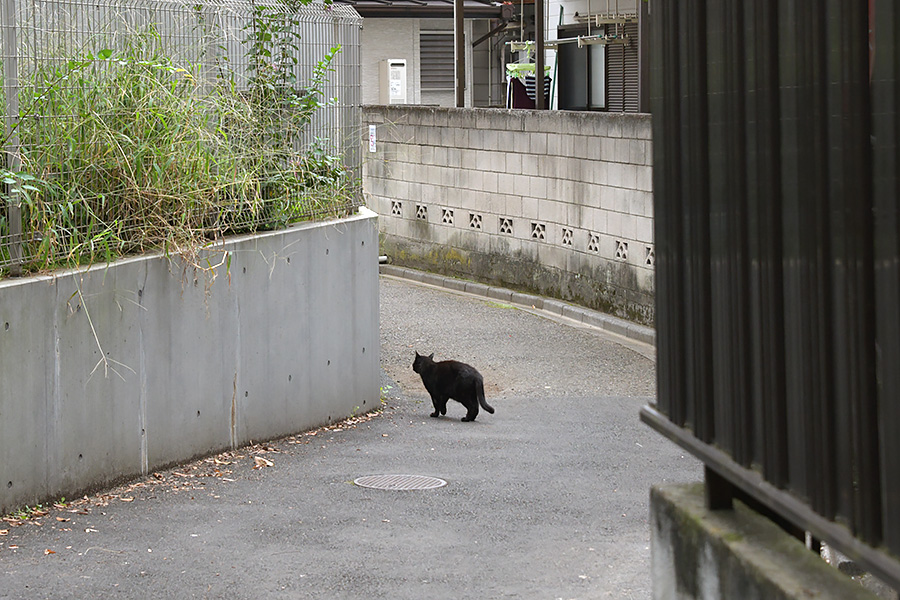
400, 482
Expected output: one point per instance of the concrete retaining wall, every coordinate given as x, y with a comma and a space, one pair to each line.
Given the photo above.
710, 555
558, 203
117, 370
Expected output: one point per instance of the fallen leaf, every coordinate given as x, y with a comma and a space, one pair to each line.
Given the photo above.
49, 551
4, 531
262, 462
222, 462
62, 519
126, 499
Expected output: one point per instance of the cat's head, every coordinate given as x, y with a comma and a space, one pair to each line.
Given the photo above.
421, 360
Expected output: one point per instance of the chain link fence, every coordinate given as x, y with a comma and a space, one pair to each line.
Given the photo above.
132, 126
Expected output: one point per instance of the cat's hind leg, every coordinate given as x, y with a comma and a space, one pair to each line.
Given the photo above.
472, 410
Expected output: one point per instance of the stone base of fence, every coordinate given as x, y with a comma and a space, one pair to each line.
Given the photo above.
598, 285
703, 554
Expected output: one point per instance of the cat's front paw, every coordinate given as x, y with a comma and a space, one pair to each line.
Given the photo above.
435, 414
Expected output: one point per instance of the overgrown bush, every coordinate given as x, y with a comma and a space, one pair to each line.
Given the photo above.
125, 151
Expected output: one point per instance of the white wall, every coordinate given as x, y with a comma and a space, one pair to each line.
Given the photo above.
383, 39
570, 7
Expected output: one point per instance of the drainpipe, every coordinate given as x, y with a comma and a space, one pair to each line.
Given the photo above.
539, 100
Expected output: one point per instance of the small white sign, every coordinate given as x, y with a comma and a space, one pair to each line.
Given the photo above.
371, 138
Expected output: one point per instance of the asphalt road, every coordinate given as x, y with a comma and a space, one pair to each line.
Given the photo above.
546, 498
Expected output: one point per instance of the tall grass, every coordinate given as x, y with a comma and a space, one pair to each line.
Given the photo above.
131, 152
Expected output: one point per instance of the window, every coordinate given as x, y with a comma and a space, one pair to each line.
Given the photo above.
597, 76
436, 60
581, 73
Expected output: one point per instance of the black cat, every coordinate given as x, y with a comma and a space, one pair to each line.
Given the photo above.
451, 379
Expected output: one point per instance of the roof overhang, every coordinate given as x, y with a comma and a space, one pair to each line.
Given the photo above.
425, 9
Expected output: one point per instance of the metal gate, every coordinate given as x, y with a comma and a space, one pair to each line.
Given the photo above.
778, 259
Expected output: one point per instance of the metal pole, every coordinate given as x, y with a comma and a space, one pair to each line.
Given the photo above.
539, 56
643, 15
9, 55
459, 36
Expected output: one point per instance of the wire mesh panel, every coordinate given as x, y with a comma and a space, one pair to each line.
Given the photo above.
776, 198
144, 124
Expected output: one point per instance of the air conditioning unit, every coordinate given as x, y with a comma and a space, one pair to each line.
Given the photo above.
392, 81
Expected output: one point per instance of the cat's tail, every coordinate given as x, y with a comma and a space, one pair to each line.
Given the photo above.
479, 391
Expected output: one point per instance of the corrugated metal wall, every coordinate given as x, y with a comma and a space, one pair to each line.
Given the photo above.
778, 256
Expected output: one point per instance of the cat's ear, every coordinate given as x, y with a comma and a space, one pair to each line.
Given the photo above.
432, 355
417, 354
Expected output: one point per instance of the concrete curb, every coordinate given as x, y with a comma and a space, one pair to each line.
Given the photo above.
559, 308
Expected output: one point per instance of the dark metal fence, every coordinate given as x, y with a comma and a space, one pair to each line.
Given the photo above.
778, 259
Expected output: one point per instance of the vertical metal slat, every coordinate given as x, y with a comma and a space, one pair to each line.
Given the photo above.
886, 247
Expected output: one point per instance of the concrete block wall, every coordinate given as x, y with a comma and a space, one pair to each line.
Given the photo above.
553, 202
114, 371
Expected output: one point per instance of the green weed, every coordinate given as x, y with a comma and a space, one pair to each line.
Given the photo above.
126, 151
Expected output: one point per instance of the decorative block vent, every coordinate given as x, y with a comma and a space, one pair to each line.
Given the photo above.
396, 208
621, 250
447, 216
506, 226
475, 221
594, 243
538, 231
650, 260
567, 236
422, 212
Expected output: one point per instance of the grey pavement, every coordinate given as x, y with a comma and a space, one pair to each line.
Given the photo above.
546, 498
